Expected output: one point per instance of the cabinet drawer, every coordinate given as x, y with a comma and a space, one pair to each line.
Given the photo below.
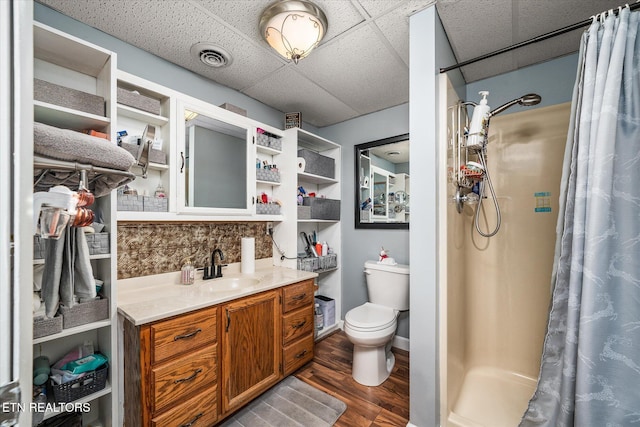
171, 382
297, 324
297, 354
181, 334
297, 295
199, 411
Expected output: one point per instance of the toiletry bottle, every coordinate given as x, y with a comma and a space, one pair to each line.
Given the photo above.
475, 139
188, 273
325, 249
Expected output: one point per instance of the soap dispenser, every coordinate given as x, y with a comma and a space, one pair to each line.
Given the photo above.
188, 272
475, 138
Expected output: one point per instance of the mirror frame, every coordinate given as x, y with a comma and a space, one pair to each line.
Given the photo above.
373, 225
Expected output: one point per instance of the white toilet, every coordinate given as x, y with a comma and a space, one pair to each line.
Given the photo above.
371, 326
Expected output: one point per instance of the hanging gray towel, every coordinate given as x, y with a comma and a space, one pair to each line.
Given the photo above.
67, 271
84, 286
57, 259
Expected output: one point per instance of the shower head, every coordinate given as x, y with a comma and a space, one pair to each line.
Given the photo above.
525, 100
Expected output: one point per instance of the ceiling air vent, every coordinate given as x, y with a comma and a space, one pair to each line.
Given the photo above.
211, 55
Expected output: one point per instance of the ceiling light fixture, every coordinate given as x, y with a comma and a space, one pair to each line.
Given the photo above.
293, 27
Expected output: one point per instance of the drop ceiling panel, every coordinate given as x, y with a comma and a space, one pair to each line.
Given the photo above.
359, 71
250, 62
472, 26
318, 107
376, 8
395, 28
360, 66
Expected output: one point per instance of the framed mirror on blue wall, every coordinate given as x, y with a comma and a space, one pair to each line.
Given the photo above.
382, 184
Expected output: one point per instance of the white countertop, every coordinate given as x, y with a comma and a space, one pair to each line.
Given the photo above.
149, 298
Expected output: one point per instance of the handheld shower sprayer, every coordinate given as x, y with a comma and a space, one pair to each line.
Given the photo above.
477, 142
525, 100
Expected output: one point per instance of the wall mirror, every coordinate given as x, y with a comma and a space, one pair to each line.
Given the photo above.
214, 165
382, 190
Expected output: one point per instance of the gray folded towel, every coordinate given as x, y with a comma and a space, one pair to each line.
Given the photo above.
65, 144
67, 271
68, 145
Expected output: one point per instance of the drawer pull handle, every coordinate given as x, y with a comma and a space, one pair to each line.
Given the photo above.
299, 325
301, 354
193, 421
299, 297
189, 335
189, 378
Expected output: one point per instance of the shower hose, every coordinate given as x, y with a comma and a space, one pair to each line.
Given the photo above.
486, 179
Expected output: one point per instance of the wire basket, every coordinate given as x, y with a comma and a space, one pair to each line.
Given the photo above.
320, 263
91, 383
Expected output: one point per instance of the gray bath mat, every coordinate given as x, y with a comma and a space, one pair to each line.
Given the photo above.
290, 403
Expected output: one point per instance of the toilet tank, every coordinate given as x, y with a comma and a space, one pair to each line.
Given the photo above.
388, 285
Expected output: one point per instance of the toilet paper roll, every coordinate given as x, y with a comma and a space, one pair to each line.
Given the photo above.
301, 164
248, 255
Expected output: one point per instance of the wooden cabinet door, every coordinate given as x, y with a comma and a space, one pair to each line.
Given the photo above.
251, 347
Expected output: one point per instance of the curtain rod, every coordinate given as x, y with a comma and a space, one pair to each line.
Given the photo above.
540, 38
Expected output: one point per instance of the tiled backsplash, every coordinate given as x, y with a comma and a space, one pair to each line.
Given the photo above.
146, 249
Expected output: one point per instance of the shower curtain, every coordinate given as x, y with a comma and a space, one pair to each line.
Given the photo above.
590, 369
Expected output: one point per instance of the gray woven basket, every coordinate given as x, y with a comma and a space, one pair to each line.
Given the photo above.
43, 327
83, 313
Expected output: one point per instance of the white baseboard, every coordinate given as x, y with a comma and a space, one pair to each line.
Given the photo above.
401, 343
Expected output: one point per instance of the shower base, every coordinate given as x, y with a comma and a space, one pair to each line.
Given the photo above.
491, 397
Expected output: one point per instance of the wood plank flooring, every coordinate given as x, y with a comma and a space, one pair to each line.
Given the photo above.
383, 406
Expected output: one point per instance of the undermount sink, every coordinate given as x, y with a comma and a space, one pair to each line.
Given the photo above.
228, 284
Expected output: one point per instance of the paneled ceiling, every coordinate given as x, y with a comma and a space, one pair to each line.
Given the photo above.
361, 66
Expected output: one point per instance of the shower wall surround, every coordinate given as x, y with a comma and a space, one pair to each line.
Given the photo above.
147, 249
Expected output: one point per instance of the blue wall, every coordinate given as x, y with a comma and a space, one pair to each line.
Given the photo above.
552, 80
360, 245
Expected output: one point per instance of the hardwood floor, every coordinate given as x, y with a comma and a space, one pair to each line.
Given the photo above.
383, 406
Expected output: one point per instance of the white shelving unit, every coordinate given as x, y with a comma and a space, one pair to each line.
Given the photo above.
134, 120
268, 155
168, 126
73, 63
287, 234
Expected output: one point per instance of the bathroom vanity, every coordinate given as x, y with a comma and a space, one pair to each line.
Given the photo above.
194, 354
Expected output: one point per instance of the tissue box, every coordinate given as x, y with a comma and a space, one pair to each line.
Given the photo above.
322, 208
317, 164
328, 308
136, 100
66, 97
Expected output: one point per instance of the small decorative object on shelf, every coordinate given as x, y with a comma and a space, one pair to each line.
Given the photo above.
292, 120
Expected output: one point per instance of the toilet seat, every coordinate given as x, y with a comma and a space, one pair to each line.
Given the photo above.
370, 317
